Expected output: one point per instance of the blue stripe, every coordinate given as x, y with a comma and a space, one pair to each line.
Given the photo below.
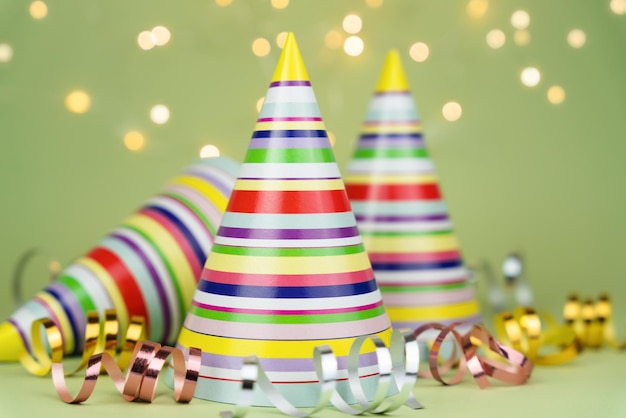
287, 292
416, 266
78, 343
197, 249
290, 133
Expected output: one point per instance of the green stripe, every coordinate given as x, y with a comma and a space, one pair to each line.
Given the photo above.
287, 319
288, 252
195, 210
290, 155
391, 153
404, 233
82, 297
406, 289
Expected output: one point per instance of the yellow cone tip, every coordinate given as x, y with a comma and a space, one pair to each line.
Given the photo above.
392, 78
11, 344
290, 66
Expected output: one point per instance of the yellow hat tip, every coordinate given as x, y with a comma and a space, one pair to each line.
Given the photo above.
392, 77
11, 344
290, 65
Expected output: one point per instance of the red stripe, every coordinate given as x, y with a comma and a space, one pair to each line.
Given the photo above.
414, 257
286, 280
288, 201
126, 284
393, 191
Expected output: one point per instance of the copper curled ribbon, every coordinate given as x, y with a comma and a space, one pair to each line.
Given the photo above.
592, 322
499, 362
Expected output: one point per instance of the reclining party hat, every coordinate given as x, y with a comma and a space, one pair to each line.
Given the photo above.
147, 266
404, 222
288, 271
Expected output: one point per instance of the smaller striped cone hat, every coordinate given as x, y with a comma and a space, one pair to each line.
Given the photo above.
288, 271
401, 214
147, 266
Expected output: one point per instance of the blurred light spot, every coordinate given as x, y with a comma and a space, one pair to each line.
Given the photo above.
477, 8
331, 138
259, 104
556, 95
146, 40
54, 267
374, 4
496, 38
353, 46
77, 101
223, 3
280, 4
209, 151
521, 37
452, 111
134, 140
6, 53
38, 9
530, 76
161, 35
352, 24
261, 47
576, 38
333, 39
520, 19
618, 7
159, 114
419, 51
280, 39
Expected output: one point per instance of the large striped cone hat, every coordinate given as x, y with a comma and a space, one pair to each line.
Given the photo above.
148, 266
288, 271
401, 214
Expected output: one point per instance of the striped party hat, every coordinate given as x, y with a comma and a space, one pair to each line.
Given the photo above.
288, 270
147, 266
401, 214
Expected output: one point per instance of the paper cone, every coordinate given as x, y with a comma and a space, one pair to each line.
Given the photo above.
401, 214
147, 266
288, 270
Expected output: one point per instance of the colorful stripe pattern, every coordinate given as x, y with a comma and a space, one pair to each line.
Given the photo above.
401, 214
148, 266
288, 270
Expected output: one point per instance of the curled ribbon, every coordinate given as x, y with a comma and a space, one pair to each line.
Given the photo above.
592, 322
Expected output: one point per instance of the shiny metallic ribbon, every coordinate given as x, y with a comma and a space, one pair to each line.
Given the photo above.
592, 322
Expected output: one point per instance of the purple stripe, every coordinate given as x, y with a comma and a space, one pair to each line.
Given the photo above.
25, 339
392, 218
167, 319
286, 142
290, 83
402, 142
69, 302
327, 233
200, 202
210, 178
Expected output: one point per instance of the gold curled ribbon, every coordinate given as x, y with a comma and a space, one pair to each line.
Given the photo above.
500, 362
523, 330
592, 322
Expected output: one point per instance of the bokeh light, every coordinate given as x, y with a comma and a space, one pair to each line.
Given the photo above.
520, 19
146, 40
331, 138
352, 24
161, 35
333, 39
556, 95
6, 53
38, 10
477, 8
280, 39
223, 3
77, 101
259, 104
618, 7
495, 38
521, 37
374, 4
530, 76
353, 46
261, 47
452, 111
159, 114
134, 141
280, 4
419, 52
576, 38
209, 151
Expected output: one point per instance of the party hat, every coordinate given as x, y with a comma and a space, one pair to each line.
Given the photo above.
288, 271
148, 266
401, 214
